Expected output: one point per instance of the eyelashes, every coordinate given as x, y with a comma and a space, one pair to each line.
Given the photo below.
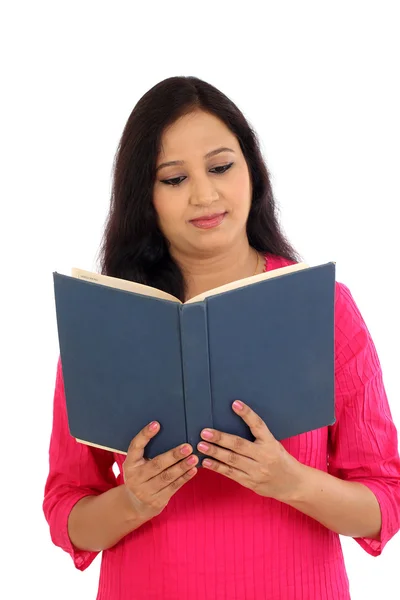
175, 181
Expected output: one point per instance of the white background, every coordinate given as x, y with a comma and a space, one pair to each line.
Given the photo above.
318, 81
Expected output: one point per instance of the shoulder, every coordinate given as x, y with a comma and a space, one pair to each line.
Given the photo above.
347, 314
356, 358
350, 327
349, 323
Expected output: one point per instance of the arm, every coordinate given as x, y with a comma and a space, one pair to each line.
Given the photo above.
360, 496
345, 507
85, 507
76, 471
99, 522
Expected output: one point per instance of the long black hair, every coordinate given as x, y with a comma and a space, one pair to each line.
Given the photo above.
133, 246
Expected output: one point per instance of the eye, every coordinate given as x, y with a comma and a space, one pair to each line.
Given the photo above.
222, 169
174, 181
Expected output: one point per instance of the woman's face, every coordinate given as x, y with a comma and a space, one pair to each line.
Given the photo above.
203, 196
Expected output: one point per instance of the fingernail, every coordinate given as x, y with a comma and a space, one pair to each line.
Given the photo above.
203, 447
191, 460
206, 433
153, 425
238, 405
207, 462
185, 450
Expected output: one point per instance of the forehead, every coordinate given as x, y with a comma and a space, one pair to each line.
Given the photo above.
196, 133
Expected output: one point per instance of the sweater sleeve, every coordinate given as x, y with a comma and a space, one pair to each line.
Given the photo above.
75, 470
363, 441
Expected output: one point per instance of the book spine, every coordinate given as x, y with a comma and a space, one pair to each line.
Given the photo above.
196, 371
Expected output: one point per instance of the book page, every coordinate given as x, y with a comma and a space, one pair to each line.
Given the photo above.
123, 284
101, 447
248, 281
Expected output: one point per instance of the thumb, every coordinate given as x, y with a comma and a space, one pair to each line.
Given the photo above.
135, 454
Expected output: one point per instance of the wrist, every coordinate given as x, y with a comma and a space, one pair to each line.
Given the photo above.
130, 511
300, 482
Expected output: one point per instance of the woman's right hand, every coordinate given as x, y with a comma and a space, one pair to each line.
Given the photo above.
151, 483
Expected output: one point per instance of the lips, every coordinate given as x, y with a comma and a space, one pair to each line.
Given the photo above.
209, 221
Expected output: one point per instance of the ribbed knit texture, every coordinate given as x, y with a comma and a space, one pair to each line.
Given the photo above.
219, 541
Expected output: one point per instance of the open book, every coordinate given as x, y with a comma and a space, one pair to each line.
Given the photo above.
146, 290
132, 354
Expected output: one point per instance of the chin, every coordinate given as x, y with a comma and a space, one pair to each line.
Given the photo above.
212, 244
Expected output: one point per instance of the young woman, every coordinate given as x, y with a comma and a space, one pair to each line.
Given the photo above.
192, 209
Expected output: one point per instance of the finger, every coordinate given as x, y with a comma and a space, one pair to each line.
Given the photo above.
228, 471
166, 494
164, 461
158, 464
257, 426
167, 477
140, 441
233, 442
228, 457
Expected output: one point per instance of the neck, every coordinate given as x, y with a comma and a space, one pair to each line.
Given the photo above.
208, 272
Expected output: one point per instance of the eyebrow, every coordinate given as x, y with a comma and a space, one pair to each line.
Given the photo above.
172, 163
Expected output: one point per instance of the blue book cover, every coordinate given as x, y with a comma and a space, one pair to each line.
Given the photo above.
131, 354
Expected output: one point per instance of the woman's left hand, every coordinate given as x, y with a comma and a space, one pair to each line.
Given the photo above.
263, 466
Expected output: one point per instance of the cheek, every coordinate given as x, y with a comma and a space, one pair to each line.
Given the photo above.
241, 191
158, 200
168, 208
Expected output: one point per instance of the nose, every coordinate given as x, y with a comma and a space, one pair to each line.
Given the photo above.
203, 193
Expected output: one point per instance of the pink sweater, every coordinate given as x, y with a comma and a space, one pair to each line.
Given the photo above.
219, 541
